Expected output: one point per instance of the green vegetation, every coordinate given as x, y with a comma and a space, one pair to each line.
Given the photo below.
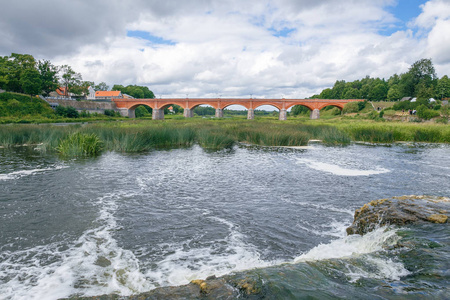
420, 81
134, 91
80, 144
214, 134
18, 105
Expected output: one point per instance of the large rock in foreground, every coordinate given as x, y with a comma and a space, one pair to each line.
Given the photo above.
400, 211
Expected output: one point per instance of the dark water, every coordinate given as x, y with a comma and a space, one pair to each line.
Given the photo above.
129, 223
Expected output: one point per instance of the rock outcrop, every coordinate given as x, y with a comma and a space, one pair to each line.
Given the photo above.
225, 287
400, 211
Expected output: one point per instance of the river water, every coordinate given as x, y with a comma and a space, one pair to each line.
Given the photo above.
128, 223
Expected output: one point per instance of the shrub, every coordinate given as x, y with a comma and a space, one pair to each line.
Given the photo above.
110, 113
67, 112
362, 105
442, 120
84, 114
406, 105
351, 107
425, 113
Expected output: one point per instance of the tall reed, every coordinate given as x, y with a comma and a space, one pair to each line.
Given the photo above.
80, 144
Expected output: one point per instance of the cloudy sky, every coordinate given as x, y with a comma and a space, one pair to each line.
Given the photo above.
211, 48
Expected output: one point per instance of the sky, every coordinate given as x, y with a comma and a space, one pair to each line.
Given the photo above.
230, 48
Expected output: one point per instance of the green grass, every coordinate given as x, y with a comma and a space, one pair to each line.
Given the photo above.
214, 134
80, 144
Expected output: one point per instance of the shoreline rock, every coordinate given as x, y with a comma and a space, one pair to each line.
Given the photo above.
400, 211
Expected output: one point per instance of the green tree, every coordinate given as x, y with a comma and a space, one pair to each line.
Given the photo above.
81, 88
16, 64
393, 80
69, 78
135, 91
338, 89
352, 93
48, 76
421, 74
3, 71
443, 87
101, 87
326, 94
424, 92
378, 92
30, 82
393, 93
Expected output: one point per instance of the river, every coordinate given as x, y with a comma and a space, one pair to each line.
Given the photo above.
128, 223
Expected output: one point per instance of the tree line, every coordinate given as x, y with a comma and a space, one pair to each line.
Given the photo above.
22, 73
420, 81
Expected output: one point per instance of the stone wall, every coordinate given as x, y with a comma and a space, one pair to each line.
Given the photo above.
89, 106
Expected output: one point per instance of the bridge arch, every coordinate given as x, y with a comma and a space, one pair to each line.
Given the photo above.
244, 105
282, 112
309, 106
197, 103
132, 109
338, 105
236, 109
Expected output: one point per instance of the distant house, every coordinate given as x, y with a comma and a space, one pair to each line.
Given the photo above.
91, 95
106, 95
60, 93
405, 99
414, 99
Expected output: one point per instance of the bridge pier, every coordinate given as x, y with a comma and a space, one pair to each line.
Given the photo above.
125, 112
315, 114
251, 114
283, 115
188, 113
158, 114
219, 113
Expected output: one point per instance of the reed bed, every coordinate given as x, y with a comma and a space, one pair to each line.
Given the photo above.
139, 136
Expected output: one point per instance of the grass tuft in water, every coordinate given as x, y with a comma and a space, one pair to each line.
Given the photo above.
80, 144
213, 139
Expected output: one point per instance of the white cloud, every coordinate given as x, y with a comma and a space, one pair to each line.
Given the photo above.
231, 48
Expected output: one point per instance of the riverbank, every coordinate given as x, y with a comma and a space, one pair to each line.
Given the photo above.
215, 134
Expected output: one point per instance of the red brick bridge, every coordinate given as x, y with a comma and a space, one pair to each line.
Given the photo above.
127, 106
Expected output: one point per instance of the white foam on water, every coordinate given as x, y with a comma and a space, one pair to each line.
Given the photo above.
338, 170
185, 265
354, 246
22, 173
93, 265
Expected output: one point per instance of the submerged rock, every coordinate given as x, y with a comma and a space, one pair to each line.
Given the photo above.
400, 211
